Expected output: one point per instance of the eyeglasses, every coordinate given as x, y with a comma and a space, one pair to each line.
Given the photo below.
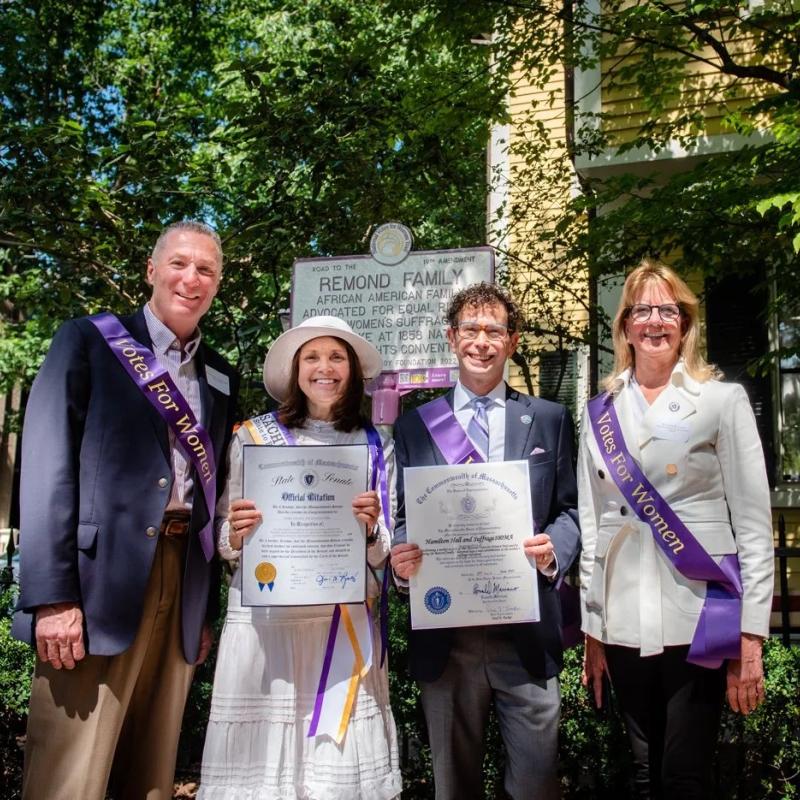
471, 331
641, 312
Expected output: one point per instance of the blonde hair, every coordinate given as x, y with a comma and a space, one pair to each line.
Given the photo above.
650, 272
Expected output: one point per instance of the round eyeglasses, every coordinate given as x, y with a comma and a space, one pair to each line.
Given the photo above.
641, 312
471, 331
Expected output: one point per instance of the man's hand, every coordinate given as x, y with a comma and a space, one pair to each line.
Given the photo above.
206, 640
746, 677
406, 559
541, 550
59, 634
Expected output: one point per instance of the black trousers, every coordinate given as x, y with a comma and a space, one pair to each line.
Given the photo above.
671, 711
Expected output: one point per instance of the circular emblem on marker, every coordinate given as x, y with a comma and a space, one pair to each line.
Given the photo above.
390, 243
437, 600
674, 406
308, 478
468, 504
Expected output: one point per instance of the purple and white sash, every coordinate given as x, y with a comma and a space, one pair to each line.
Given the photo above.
155, 383
718, 633
348, 652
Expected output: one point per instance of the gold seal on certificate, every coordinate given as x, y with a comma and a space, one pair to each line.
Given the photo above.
470, 521
309, 549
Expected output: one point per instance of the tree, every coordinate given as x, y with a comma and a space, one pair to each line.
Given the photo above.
292, 126
733, 213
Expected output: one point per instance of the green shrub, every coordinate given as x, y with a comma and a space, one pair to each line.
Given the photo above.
16, 667
758, 757
593, 750
760, 753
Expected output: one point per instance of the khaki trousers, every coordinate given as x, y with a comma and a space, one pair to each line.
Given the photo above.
115, 716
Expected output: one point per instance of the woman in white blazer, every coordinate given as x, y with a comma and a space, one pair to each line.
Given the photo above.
695, 441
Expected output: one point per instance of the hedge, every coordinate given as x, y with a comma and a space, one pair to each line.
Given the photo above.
758, 756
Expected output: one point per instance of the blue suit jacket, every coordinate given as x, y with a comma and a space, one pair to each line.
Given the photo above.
94, 452
554, 506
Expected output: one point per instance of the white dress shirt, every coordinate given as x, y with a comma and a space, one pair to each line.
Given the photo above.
495, 414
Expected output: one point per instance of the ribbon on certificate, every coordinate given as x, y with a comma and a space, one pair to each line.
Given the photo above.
718, 632
348, 658
155, 383
348, 651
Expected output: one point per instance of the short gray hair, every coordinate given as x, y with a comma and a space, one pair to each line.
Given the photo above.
190, 226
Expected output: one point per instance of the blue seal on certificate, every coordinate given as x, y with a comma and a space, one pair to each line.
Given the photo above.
437, 600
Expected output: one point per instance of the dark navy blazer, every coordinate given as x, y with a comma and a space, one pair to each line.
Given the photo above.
94, 456
531, 424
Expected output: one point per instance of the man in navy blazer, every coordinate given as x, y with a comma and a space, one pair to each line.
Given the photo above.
462, 671
116, 591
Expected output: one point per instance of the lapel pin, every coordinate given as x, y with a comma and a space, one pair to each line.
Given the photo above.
525, 419
674, 406
672, 469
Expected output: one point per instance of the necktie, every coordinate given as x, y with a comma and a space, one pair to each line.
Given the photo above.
478, 428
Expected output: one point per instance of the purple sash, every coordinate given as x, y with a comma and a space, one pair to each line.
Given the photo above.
718, 632
450, 437
155, 383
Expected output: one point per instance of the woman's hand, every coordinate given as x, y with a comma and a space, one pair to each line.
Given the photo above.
406, 559
367, 508
243, 517
594, 668
746, 677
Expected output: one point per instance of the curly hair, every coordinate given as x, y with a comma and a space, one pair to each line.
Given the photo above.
485, 294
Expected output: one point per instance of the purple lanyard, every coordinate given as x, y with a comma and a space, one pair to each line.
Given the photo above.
449, 436
378, 472
718, 632
155, 383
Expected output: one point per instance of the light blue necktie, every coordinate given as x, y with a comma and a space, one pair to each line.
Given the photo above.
478, 427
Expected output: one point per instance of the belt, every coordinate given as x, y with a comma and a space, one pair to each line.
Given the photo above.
175, 523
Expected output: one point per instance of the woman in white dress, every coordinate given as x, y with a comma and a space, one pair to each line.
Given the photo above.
270, 659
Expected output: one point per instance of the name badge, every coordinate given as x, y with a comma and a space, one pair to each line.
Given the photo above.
672, 431
218, 380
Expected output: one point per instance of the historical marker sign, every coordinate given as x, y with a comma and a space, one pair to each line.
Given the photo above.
400, 307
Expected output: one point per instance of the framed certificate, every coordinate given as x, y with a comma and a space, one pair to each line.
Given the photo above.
470, 521
309, 549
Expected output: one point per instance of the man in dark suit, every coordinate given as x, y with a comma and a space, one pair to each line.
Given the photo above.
117, 586
462, 671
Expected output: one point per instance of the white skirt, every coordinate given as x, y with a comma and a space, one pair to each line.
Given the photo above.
265, 686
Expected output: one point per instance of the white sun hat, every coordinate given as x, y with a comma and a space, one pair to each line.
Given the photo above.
278, 363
